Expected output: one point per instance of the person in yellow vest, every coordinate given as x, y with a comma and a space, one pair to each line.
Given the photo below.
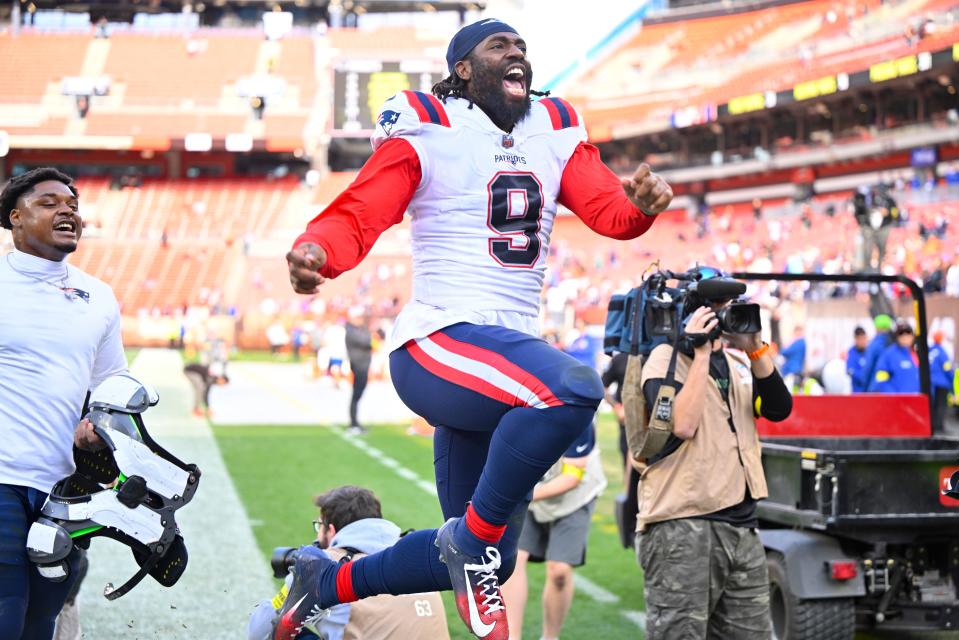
556, 530
704, 565
351, 525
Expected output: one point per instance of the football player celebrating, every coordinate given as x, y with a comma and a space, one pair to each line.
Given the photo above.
481, 171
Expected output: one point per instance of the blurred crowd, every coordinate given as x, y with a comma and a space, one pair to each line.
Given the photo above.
901, 225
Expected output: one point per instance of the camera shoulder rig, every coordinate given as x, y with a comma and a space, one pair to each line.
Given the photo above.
636, 323
648, 428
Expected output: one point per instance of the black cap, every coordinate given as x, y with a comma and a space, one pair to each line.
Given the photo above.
903, 328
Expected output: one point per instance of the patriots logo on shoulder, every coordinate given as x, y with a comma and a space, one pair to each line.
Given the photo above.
387, 119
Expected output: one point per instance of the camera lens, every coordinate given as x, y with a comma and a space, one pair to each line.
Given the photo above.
740, 318
282, 560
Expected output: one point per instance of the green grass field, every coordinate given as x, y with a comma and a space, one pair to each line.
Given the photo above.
278, 470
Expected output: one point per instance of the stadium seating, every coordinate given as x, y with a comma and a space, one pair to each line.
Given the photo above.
164, 70
161, 249
398, 40
146, 276
708, 61
190, 210
34, 61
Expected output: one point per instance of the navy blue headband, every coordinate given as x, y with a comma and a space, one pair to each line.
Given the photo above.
470, 36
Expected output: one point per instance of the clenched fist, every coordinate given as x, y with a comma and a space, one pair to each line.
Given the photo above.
305, 262
648, 191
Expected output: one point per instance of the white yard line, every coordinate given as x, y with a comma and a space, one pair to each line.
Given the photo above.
386, 461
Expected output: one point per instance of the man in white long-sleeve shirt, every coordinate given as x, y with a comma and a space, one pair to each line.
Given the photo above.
59, 338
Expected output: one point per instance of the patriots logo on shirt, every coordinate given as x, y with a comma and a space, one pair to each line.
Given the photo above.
387, 119
72, 293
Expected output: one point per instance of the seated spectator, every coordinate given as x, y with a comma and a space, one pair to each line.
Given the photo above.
350, 525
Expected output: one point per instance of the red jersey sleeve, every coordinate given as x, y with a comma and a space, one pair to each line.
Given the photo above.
594, 193
373, 203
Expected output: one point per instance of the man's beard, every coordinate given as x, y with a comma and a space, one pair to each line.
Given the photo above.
486, 90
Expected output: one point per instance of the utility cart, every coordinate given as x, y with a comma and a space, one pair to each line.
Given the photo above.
860, 529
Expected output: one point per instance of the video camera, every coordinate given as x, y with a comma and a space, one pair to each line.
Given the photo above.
657, 311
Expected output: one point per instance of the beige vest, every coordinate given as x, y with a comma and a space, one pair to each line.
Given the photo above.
711, 470
386, 617
592, 484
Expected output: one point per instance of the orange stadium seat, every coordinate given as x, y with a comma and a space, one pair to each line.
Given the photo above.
144, 274
31, 61
191, 210
332, 185
394, 40
171, 123
284, 126
163, 70
295, 65
44, 126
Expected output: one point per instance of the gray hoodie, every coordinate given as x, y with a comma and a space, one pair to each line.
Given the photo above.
367, 536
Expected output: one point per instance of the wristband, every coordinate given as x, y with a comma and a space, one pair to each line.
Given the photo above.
758, 353
573, 470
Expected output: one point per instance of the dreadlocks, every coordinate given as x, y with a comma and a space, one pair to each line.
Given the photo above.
452, 85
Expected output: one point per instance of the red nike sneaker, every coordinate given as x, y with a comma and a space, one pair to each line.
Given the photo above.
302, 602
478, 597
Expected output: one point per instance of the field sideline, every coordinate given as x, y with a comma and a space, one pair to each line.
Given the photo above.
278, 469
257, 491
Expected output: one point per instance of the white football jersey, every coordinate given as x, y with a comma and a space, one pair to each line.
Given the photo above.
483, 211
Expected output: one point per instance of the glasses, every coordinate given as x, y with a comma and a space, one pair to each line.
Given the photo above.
317, 525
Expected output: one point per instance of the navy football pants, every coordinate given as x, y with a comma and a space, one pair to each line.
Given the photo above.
506, 406
29, 603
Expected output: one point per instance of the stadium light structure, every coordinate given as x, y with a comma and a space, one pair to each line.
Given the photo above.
198, 142
277, 24
239, 142
260, 89
82, 88
85, 86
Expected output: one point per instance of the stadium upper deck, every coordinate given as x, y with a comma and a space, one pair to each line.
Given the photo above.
687, 70
164, 86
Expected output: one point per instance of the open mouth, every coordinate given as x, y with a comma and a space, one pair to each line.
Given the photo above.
66, 227
514, 81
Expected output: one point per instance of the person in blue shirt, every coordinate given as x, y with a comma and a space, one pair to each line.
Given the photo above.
794, 360
878, 344
579, 345
941, 378
856, 361
897, 370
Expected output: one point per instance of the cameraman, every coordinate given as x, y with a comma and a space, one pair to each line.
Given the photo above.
351, 524
698, 494
876, 212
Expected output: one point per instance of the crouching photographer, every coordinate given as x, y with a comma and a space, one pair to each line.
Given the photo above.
699, 391
350, 525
